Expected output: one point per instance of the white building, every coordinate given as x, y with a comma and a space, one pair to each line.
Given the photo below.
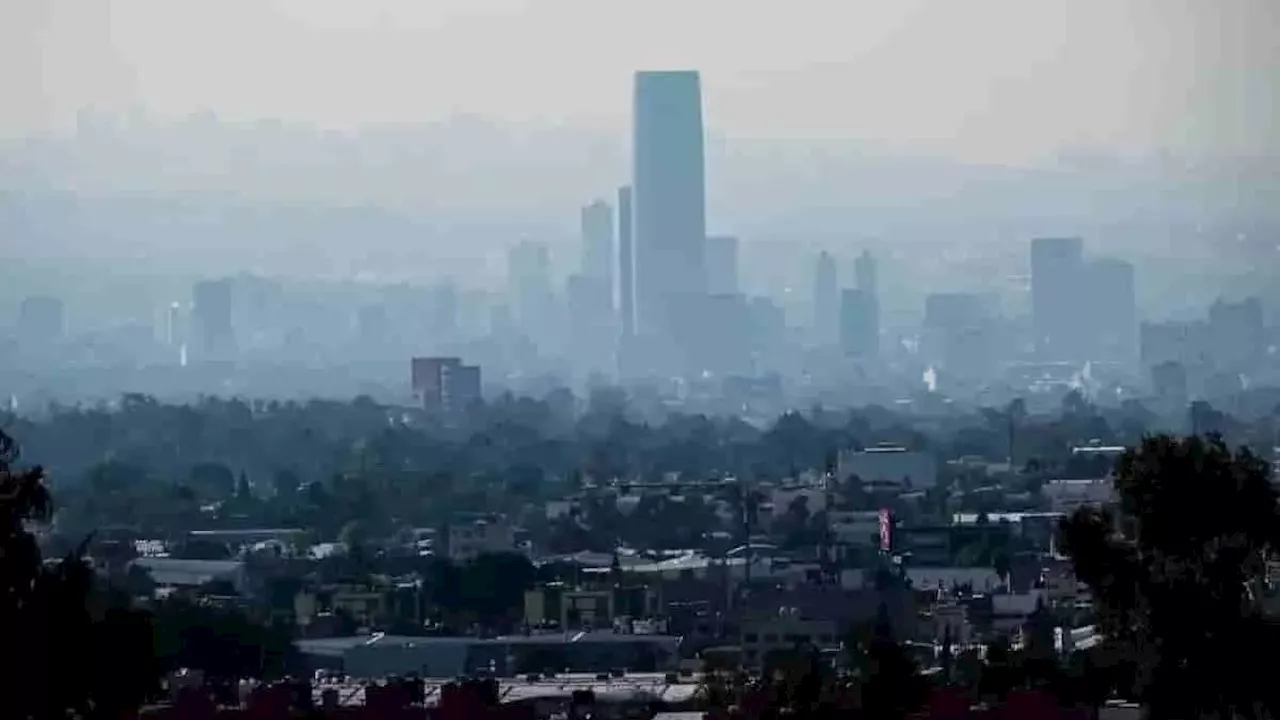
889, 465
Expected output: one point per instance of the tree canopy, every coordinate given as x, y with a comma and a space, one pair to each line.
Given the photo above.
1177, 572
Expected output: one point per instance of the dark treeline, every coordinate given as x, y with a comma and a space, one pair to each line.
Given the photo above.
322, 465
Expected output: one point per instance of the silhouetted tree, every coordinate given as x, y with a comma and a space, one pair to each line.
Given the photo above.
79, 651
1190, 539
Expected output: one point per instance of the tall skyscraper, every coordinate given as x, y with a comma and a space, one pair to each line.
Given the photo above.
213, 333
597, 244
826, 300
670, 197
529, 282
626, 264
722, 265
1057, 275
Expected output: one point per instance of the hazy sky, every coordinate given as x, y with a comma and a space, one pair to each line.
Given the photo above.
974, 79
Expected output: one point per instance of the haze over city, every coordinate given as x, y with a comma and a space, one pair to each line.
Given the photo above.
650, 359
335, 151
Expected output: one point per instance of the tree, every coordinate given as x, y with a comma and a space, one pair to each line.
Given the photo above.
213, 481
892, 687
81, 652
1190, 538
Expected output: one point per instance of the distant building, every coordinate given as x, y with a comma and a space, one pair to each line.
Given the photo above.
826, 301
213, 335
669, 197
889, 465
957, 334
481, 536
626, 264
529, 283
444, 383
1237, 335
597, 246
1057, 290
859, 324
1169, 382
722, 265
1185, 343
1114, 316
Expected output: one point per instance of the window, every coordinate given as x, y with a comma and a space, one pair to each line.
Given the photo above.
751, 638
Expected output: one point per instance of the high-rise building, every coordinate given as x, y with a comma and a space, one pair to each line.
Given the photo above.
213, 333
529, 282
40, 319
722, 264
444, 384
1057, 286
1114, 315
626, 264
669, 197
826, 300
597, 244
1237, 335
859, 324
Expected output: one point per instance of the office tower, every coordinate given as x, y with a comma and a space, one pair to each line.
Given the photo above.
722, 265
626, 264
1114, 315
669, 197
529, 282
597, 244
826, 301
859, 324
1057, 275
1237, 335
444, 384
40, 320
213, 334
